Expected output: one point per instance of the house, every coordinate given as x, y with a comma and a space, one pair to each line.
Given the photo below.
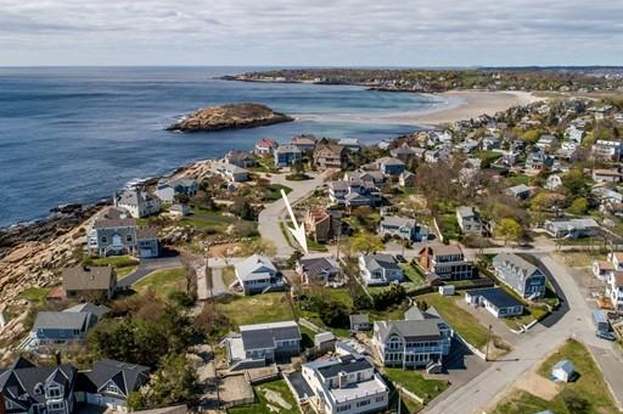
614, 290
496, 301
97, 311
520, 192
109, 383
520, 275
546, 142
403, 152
180, 210
563, 371
116, 234
257, 274
490, 142
330, 156
406, 179
538, 160
359, 322
58, 328
265, 146
403, 228
354, 193
263, 343
412, 343
27, 388
233, 173
616, 258
324, 342
553, 182
390, 166
346, 384
607, 150
166, 190
351, 144
240, 159
573, 133
287, 155
602, 269
322, 225
319, 269
379, 269
358, 177
572, 228
446, 261
606, 176
138, 203
469, 220
85, 282
305, 143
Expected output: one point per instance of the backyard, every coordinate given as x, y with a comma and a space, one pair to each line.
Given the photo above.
588, 394
123, 265
163, 282
272, 398
415, 382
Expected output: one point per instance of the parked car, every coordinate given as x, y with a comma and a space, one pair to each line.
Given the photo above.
401, 259
607, 335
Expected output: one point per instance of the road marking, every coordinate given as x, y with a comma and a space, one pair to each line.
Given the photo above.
298, 231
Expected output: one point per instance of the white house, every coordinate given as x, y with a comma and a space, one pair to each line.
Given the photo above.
379, 269
469, 220
233, 173
614, 289
563, 371
138, 203
345, 384
257, 274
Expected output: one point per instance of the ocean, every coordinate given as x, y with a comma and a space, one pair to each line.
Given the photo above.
76, 134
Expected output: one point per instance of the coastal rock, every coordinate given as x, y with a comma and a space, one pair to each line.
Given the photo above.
232, 116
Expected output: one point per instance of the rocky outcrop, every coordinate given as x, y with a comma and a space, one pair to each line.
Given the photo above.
233, 116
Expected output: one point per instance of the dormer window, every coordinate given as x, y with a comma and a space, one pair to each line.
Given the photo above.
53, 391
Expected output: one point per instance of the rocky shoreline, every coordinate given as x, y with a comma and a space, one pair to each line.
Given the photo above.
226, 117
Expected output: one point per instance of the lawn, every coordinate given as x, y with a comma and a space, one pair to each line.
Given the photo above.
124, 265
461, 320
35, 295
589, 390
246, 310
273, 192
163, 282
415, 382
214, 222
283, 404
414, 274
313, 245
229, 275
517, 179
449, 227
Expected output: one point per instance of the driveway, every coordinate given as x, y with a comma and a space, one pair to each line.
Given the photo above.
147, 266
485, 389
270, 217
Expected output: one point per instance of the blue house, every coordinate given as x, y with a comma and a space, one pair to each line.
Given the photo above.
59, 328
391, 166
286, 155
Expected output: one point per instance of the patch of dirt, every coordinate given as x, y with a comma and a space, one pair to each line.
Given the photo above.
538, 386
276, 398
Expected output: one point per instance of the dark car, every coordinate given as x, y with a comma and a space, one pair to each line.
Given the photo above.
401, 258
607, 335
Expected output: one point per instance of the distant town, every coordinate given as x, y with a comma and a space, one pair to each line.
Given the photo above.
472, 266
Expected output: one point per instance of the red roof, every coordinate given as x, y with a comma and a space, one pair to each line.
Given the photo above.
266, 143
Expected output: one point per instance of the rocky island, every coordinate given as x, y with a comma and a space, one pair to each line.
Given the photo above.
231, 116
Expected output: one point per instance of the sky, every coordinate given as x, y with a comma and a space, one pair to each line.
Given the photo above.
312, 32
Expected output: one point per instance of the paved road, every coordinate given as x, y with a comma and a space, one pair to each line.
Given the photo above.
272, 213
479, 393
148, 266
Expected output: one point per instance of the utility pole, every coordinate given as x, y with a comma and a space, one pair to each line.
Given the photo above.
488, 341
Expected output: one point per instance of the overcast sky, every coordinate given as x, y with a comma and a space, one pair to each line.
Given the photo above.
311, 32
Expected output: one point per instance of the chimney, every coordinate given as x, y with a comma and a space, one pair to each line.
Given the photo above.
2, 406
57, 357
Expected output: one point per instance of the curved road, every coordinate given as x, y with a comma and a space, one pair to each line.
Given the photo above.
485, 389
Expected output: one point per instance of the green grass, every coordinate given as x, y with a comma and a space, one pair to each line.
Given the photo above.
35, 295
517, 179
115, 261
315, 246
124, 271
273, 192
203, 219
590, 387
461, 320
163, 282
414, 274
415, 382
261, 407
449, 227
269, 307
229, 275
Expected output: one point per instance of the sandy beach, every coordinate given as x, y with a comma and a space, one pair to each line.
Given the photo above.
465, 105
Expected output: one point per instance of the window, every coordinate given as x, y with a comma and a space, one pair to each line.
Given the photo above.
104, 239
380, 399
53, 392
363, 403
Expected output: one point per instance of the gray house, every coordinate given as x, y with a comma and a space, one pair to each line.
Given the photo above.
261, 344
323, 270
572, 228
499, 303
257, 274
117, 234
520, 275
85, 281
380, 269
403, 228
166, 190
469, 220
59, 328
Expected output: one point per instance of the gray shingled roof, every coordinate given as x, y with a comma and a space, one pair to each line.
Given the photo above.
61, 320
380, 261
254, 267
87, 278
128, 377
262, 336
347, 364
419, 329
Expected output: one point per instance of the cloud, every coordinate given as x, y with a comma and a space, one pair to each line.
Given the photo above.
323, 32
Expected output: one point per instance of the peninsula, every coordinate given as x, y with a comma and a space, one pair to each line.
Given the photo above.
231, 116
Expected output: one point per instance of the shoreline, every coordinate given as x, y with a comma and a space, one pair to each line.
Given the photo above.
464, 105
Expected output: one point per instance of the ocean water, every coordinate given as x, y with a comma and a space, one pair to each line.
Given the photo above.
78, 134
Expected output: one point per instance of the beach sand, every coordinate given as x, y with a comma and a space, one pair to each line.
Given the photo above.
465, 105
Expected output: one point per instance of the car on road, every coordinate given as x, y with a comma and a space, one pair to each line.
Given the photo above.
401, 259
